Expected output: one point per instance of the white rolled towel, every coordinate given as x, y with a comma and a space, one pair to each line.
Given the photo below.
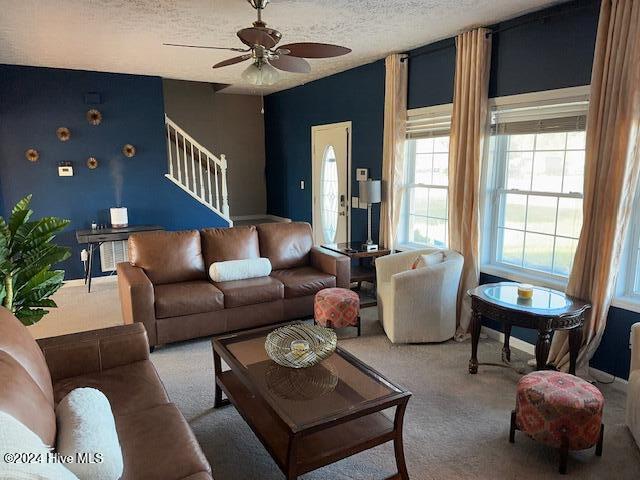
239, 269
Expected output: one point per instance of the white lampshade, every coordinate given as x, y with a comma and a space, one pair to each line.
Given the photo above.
260, 73
370, 191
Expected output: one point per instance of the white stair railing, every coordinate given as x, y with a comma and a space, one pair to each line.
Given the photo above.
196, 170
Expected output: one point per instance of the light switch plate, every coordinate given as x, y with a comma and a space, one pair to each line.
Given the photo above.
301, 184
362, 174
354, 202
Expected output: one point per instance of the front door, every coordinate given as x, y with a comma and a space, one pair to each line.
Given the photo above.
331, 152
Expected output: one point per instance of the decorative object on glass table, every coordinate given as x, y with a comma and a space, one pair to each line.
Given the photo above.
129, 150
321, 341
94, 117
63, 134
525, 291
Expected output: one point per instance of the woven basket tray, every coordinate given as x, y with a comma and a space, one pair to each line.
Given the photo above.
322, 343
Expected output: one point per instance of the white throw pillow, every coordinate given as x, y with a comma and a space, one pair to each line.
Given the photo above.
428, 260
239, 269
36, 460
86, 427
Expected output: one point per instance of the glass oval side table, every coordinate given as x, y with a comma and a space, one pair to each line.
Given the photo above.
547, 311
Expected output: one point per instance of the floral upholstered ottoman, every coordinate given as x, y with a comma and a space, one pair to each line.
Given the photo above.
559, 410
337, 308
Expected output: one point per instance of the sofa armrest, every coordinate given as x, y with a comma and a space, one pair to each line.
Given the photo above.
333, 263
635, 347
137, 298
95, 350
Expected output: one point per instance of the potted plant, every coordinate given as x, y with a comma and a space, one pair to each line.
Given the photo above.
27, 253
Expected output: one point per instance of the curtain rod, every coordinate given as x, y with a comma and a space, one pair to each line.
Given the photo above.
504, 29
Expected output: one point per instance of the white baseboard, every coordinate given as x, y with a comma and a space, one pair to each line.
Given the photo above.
258, 217
526, 347
96, 280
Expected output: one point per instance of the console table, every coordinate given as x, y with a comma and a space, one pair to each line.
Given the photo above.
95, 238
365, 270
548, 310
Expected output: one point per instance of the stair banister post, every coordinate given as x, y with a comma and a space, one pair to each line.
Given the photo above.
225, 199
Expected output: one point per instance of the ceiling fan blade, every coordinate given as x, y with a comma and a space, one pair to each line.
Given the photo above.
291, 64
204, 46
267, 37
315, 50
231, 61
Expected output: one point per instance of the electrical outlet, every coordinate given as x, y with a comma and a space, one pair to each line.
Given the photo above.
301, 184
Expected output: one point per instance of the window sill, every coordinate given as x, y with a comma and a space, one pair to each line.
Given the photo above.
523, 276
629, 303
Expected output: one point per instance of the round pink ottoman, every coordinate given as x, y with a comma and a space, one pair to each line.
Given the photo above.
337, 308
559, 410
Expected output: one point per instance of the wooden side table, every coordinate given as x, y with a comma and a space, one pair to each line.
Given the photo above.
365, 269
547, 311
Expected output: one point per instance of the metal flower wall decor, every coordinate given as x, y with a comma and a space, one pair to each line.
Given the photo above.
129, 150
63, 134
92, 163
94, 117
32, 155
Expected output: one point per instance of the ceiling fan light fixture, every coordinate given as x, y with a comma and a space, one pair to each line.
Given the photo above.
260, 73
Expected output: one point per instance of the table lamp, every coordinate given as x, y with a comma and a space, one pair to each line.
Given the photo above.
369, 194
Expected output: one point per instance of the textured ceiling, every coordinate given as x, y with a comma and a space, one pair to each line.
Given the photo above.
126, 36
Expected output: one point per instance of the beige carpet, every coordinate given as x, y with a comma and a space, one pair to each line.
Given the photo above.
456, 425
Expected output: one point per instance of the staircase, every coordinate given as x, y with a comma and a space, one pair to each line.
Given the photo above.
197, 171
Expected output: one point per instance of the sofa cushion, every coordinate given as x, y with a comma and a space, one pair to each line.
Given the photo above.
157, 443
222, 244
287, 245
186, 298
238, 293
168, 257
303, 281
130, 388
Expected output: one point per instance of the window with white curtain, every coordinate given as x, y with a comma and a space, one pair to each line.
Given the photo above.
536, 162
424, 220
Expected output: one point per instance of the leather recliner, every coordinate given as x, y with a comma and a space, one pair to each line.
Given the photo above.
165, 285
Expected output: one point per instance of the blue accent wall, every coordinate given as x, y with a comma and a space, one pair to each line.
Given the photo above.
356, 95
34, 102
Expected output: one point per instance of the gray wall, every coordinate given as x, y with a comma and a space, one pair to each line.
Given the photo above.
225, 124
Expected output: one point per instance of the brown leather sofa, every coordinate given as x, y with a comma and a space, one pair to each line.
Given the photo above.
165, 285
156, 441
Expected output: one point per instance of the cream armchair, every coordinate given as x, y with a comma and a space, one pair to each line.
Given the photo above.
416, 306
633, 389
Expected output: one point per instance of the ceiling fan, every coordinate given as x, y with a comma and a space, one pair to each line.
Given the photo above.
261, 48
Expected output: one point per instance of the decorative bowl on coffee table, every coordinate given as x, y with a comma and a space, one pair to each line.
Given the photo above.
278, 345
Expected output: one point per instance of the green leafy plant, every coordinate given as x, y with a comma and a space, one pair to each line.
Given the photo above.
27, 253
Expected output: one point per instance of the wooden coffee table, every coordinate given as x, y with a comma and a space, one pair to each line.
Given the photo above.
308, 418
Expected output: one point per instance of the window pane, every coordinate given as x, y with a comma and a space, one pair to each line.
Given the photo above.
419, 201
441, 144
519, 170
424, 145
565, 250
569, 217
514, 211
441, 169
417, 229
512, 245
423, 168
437, 232
438, 203
576, 140
541, 214
538, 251
574, 172
551, 141
547, 171
521, 142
